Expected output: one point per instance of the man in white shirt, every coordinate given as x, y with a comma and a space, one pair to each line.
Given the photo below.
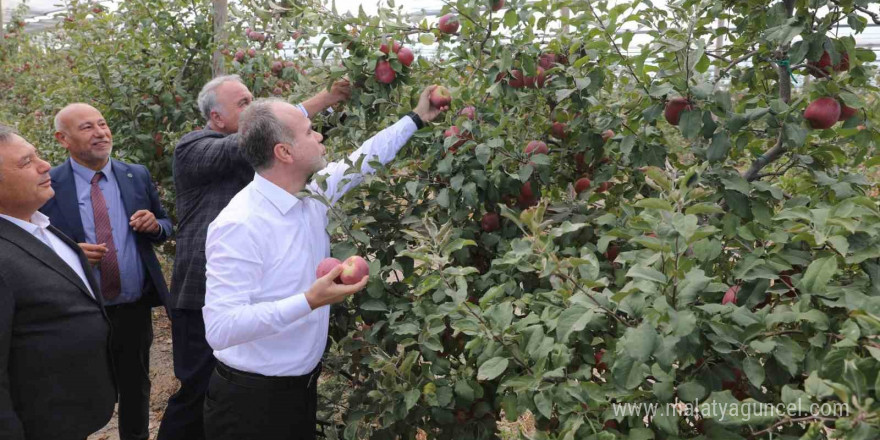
56, 378
266, 316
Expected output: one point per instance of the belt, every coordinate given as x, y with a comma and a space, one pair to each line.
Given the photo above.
254, 380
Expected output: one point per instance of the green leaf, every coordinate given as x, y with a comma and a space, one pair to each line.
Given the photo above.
691, 391
641, 342
719, 148
754, 371
795, 135
818, 274
544, 405
410, 398
654, 204
492, 368
483, 153
646, 273
817, 387
690, 124
572, 320
426, 39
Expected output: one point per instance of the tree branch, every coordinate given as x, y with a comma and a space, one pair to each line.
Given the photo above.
619, 52
785, 94
733, 64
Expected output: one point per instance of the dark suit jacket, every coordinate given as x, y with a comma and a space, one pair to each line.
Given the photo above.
138, 192
56, 379
209, 171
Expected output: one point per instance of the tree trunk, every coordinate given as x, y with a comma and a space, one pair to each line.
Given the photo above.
220, 10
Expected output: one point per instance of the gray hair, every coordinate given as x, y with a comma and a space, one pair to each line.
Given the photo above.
6, 134
208, 96
259, 131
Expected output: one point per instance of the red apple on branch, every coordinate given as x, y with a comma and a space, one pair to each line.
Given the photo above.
730, 295
490, 222
558, 130
582, 185
384, 73
674, 109
405, 55
536, 147
469, 112
517, 79
823, 113
607, 134
846, 112
448, 24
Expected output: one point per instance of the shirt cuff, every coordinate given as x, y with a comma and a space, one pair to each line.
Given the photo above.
294, 308
303, 109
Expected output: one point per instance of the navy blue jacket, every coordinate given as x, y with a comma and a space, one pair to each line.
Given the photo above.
138, 192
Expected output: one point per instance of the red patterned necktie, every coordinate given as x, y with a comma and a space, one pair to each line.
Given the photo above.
110, 282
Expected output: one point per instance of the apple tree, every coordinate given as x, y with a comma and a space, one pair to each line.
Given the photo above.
689, 233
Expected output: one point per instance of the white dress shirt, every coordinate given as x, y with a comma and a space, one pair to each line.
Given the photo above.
39, 227
262, 252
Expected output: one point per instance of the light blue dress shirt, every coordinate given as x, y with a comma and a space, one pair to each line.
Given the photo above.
131, 268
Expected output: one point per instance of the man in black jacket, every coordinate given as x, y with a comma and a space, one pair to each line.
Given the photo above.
56, 379
112, 210
208, 171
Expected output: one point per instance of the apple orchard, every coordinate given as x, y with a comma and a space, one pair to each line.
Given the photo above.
593, 222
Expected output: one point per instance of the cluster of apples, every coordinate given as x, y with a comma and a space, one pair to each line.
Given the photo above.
385, 74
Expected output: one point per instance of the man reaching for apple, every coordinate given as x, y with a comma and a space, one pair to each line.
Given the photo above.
266, 316
208, 171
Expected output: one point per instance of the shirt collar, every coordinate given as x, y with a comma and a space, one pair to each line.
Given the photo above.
88, 173
282, 199
38, 220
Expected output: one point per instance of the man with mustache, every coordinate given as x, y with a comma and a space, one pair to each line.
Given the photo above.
112, 210
56, 378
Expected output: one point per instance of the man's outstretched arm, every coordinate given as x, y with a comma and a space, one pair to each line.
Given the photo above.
339, 91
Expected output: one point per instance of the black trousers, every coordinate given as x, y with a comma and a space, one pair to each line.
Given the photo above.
130, 341
243, 405
193, 363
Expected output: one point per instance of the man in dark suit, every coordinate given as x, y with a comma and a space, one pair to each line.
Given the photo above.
56, 377
112, 210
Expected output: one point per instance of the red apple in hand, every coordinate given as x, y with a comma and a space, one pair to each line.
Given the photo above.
405, 56
384, 73
822, 113
448, 24
440, 97
674, 109
354, 269
325, 266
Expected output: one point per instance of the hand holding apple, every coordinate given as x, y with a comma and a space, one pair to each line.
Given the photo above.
426, 109
326, 291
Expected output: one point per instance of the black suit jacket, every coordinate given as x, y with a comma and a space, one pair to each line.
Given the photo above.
56, 378
138, 192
